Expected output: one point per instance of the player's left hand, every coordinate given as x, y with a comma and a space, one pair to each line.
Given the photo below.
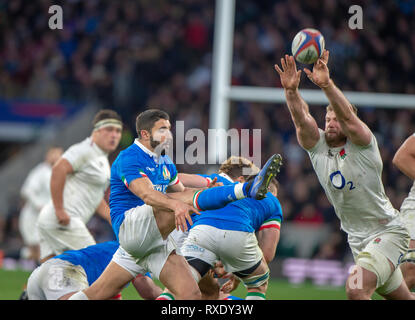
320, 75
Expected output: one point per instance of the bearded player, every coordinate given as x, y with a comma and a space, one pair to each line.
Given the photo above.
346, 159
404, 160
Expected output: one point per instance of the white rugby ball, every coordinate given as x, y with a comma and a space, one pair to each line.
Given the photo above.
307, 46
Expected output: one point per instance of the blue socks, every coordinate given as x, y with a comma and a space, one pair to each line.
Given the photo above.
218, 197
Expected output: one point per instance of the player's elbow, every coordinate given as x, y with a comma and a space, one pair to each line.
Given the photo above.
397, 160
269, 255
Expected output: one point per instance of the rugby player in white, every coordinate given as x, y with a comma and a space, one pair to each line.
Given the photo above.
404, 160
78, 183
348, 165
36, 193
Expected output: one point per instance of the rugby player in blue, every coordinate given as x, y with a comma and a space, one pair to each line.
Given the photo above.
63, 275
143, 216
228, 235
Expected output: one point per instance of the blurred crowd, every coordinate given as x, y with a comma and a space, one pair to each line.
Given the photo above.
128, 55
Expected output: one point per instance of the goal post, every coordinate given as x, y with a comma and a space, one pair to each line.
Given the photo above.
222, 91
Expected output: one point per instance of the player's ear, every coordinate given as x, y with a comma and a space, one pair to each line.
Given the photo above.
145, 135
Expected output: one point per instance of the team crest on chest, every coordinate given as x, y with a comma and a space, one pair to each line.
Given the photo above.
166, 173
342, 154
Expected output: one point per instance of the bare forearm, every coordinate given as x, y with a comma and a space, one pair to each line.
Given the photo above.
193, 180
157, 199
103, 210
341, 106
297, 106
57, 185
406, 164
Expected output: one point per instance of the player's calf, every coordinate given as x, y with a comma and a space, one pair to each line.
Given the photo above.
256, 282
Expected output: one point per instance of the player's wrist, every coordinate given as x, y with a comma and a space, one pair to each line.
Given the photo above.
291, 91
328, 85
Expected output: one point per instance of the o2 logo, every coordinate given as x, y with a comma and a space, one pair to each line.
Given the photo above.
339, 182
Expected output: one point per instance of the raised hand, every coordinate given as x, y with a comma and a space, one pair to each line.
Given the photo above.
320, 75
290, 77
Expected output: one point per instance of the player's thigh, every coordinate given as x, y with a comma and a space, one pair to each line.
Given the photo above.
177, 277
139, 233
361, 282
408, 218
239, 251
200, 247
395, 288
109, 283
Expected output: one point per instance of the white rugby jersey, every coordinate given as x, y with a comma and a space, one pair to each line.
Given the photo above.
36, 187
85, 187
351, 176
409, 202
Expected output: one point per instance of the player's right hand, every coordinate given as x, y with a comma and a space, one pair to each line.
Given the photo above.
182, 216
215, 183
63, 217
290, 77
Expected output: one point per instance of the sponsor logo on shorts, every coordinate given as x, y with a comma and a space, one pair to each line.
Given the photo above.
193, 247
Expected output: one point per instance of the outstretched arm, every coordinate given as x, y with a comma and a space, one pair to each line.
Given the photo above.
354, 128
404, 158
305, 125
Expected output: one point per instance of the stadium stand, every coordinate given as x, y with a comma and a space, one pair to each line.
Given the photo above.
128, 55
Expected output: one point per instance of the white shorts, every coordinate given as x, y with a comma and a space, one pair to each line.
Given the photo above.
27, 226
237, 250
408, 218
55, 278
55, 238
140, 241
370, 253
178, 236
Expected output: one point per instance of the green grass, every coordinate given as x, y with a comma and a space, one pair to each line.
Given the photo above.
12, 282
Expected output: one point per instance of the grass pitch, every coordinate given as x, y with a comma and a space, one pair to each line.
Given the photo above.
12, 282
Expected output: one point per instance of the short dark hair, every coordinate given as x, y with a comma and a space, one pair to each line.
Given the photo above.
105, 114
146, 119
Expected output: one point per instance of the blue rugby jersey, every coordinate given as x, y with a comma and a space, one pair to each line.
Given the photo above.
247, 215
132, 163
94, 259
221, 177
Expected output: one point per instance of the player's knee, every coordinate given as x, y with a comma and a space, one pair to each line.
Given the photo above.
257, 281
356, 293
408, 271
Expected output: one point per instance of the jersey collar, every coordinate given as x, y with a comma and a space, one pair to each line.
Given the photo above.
224, 175
96, 147
142, 147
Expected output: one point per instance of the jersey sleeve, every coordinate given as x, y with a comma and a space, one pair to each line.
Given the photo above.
130, 169
319, 145
174, 178
275, 219
76, 155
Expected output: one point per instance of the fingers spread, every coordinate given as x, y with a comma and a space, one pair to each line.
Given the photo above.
284, 66
277, 68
